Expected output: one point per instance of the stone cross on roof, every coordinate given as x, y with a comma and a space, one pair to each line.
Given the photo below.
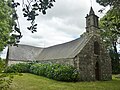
91, 11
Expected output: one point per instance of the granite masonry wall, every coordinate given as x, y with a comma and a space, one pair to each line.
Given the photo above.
93, 62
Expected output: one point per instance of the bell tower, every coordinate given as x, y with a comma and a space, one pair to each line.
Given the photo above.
91, 22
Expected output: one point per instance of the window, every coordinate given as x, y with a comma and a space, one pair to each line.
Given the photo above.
96, 21
96, 48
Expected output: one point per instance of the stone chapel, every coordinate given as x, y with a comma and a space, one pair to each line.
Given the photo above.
87, 53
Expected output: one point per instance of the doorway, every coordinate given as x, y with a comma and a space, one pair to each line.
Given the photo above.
97, 71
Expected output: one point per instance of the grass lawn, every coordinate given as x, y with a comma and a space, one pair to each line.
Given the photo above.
34, 82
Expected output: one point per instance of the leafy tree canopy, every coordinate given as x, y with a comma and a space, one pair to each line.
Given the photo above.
9, 25
110, 23
113, 15
110, 30
5, 24
113, 3
31, 9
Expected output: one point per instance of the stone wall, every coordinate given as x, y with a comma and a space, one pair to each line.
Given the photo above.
106, 68
86, 62
60, 61
15, 62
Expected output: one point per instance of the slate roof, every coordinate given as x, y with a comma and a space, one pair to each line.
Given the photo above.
65, 50
23, 52
61, 51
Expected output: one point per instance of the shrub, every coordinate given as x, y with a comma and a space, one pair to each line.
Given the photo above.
20, 68
5, 79
55, 71
66, 73
2, 64
38, 69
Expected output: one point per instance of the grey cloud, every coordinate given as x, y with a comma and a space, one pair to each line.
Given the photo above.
70, 23
64, 22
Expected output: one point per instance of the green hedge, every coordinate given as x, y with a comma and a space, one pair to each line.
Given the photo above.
53, 71
56, 71
20, 68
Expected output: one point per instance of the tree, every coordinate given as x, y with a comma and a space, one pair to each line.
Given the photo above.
110, 23
110, 38
31, 9
5, 37
5, 79
110, 29
5, 24
9, 26
114, 13
112, 3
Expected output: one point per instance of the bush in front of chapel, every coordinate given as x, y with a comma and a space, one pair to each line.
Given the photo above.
53, 71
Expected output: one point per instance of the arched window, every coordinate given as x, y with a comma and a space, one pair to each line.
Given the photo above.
96, 48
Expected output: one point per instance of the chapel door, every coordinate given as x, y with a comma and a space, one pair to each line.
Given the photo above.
97, 71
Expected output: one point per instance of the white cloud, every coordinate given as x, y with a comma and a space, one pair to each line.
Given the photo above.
3, 53
64, 22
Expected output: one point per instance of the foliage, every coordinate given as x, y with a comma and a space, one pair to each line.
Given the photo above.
52, 71
55, 71
5, 39
5, 79
18, 68
5, 24
2, 65
110, 24
31, 9
9, 26
116, 70
110, 29
34, 82
110, 38
107, 28
10, 32
113, 13
108, 2
115, 62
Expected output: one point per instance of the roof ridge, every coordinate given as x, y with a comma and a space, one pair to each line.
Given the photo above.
29, 46
62, 43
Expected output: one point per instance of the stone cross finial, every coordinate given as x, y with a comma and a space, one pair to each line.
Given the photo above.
91, 11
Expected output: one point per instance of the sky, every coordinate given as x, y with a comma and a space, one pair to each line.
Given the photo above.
62, 23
